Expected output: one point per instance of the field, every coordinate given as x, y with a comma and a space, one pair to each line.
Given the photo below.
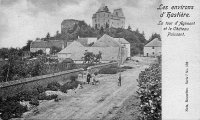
103, 101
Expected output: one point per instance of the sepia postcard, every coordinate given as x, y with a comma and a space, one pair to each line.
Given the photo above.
100, 59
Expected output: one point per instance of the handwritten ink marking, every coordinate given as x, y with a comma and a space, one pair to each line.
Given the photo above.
186, 108
186, 93
186, 82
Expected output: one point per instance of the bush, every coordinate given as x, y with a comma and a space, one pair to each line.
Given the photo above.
41, 89
69, 85
34, 101
73, 77
111, 70
43, 96
25, 95
127, 67
108, 71
54, 86
10, 108
149, 93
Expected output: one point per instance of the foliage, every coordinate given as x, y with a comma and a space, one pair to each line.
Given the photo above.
90, 57
54, 86
41, 89
25, 95
155, 35
149, 92
34, 101
69, 85
47, 36
6, 53
43, 96
111, 70
127, 67
27, 47
134, 37
129, 28
55, 50
37, 53
67, 60
10, 108
16, 68
73, 77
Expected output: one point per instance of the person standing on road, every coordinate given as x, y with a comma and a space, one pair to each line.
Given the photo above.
88, 78
119, 79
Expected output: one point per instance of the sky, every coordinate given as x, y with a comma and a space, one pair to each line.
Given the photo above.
22, 20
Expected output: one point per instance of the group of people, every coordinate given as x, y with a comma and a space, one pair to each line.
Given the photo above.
93, 78
94, 81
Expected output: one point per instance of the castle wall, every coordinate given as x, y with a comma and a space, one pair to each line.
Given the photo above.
115, 19
68, 25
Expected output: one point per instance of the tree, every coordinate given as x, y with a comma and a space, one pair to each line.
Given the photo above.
88, 57
55, 50
107, 25
4, 53
57, 33
101, 31
129, 28
27, 47
155, 35
96, 27
137, 31
48, 36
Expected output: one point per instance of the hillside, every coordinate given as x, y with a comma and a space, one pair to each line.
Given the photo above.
81, 29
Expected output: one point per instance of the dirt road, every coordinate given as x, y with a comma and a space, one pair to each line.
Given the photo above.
95, 101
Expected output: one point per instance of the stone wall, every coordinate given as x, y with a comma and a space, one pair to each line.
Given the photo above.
13, 87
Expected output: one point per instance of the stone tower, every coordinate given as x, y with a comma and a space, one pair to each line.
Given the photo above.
104, 18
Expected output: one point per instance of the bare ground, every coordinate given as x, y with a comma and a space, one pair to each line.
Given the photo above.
104, 101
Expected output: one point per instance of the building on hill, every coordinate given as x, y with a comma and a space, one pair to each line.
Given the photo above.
72, 51
110, 48
68, 25
125, 43
75, 51
46, 46
108, 41
104, 18
153, 48
89, 41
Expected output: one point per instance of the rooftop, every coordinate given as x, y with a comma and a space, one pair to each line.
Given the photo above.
106, 41
154, 43
47, 44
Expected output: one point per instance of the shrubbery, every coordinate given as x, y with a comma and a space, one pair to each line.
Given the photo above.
54, 86
17, 68
25, 95
41, 89
149, 93
34, 101
111, 70
43, 96
127, 67
70, 85
11, 108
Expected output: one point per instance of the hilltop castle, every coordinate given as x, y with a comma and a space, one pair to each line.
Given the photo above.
104, 18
